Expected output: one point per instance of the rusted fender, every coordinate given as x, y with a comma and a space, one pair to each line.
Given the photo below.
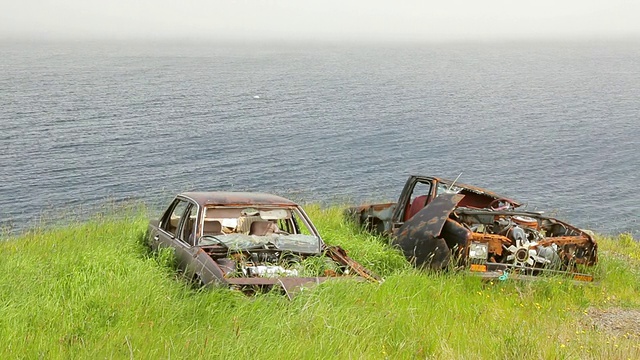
418, 237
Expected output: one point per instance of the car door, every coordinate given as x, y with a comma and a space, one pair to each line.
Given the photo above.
416, 194
185, 239
177, 228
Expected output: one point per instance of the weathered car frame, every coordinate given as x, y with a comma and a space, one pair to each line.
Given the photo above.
247, 261
467, 226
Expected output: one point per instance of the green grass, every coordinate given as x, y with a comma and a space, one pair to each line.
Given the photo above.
91, 290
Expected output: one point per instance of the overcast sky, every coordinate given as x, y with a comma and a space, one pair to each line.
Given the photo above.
411, 20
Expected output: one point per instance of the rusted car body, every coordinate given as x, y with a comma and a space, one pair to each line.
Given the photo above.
248, 241
438, 222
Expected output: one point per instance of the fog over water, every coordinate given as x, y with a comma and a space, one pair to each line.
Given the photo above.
553, 124
312, 20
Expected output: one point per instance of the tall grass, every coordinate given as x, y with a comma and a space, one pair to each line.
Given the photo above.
92, 290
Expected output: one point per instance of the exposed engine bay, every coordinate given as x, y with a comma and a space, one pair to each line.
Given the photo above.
493, 241
517, 239
270, 263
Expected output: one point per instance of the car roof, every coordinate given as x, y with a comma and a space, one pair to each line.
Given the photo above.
230, 198
472, 188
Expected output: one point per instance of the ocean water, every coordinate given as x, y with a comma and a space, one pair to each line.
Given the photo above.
555, 125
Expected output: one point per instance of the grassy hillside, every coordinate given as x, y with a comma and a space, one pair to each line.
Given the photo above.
92, 290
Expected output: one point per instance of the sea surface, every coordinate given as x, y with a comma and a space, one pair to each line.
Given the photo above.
555, 125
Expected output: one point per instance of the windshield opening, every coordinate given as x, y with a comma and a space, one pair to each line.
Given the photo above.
239, 228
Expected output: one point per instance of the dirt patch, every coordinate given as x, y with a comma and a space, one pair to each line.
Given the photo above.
616, 321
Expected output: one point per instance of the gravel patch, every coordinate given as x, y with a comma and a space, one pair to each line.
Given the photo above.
616, 321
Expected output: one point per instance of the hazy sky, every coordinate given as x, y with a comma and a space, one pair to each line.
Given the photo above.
424, 20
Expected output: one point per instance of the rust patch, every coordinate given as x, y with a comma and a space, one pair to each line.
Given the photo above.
495, 241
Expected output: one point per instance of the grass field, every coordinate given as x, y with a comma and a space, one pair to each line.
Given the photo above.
91, 290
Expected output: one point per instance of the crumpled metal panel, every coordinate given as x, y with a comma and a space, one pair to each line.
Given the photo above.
418, 237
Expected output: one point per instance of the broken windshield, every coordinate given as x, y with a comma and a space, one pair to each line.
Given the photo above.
298, 243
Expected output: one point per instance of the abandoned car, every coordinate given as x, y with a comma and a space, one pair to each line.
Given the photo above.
438, 223
248, 241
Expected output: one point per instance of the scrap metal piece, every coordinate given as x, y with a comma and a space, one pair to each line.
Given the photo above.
339, 255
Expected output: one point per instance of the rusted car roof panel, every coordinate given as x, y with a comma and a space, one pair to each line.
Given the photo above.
237, 198
472, 188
